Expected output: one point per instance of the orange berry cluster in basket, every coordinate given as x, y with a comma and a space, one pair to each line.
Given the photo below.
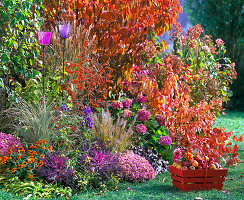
189, 161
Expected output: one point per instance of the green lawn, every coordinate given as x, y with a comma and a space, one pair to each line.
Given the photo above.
159, 189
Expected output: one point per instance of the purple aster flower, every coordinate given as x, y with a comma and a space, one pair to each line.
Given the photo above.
116, 104
160, 120
57, 113
126, 113
63, 108
127, 102
141, 128
143, 115
141, 98
164, 140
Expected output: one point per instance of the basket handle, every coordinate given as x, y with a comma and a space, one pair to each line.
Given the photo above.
205, 164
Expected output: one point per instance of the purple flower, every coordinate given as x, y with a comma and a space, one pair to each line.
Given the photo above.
143, 115
57, 113
164, 140
63, 108
126, 113
88, 122
141, 98
116, 104
127, 102
141, 128
87, 110
160, 120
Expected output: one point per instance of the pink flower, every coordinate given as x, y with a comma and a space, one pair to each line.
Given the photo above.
177, 154
160, 120
143, 115
164, 140
116, 104
141, 128
133, 167
219, 42
126, 113
141, 98
206, 49
127, 102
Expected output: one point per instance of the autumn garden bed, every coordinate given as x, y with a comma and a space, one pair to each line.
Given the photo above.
93, 105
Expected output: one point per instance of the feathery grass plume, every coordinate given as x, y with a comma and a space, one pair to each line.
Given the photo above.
117, 133
36, 121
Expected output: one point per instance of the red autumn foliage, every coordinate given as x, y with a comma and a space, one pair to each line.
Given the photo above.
189, 93
121, 28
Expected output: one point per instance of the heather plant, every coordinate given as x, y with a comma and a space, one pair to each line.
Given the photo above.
8, 142
24, 162
116, 132
135, 168
54, 169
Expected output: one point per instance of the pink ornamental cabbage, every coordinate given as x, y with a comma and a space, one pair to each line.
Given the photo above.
133, 167
7, 142
126, 113
116, 104
141, 128
127, 102
141, 99
143, 115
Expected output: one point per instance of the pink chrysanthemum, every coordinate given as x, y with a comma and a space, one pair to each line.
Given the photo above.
126, 113
116, 104
219, 42
141, 99
141, 128
177, 154
127, 102
143, 115
160, 120
133, 167
164, 140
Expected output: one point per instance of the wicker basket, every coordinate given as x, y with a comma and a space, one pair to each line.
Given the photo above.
199, 179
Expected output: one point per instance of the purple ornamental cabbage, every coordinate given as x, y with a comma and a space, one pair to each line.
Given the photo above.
54, 169
7, 142
101, 162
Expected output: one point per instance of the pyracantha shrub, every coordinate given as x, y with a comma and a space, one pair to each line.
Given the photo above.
8, 142
55, 169
155, 159
135, 168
